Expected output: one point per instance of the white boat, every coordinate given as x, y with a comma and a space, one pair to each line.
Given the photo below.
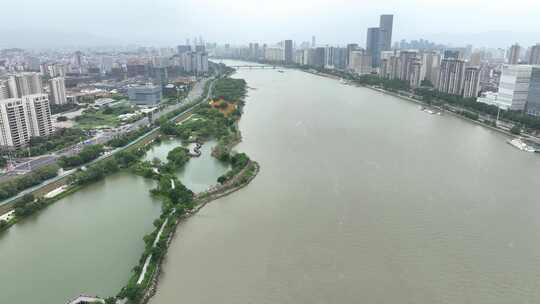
521, 145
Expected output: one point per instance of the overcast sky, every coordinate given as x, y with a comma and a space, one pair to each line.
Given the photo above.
169, 22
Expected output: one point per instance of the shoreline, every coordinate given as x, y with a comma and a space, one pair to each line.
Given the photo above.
151, 289
148, 278
416, 101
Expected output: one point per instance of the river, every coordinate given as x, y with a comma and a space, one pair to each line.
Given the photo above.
362, 198
88, 242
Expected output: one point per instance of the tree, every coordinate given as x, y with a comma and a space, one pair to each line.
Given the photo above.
516, 129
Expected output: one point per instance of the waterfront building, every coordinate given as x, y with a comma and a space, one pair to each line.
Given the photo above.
288, 52
431, 61
471, 83
274, 54
57, 90
360, 62
386, 25
350, 48
375, 40
514, 86
513, 54
318, 57
534, 55
451, 74
145, 95
415, 72
23, 118
406, 58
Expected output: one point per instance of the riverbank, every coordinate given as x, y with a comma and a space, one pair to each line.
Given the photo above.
179, 202
207, 198
420, 102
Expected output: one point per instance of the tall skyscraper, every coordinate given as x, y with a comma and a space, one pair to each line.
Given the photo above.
471, 83
288, 51
451, 76
386, 24
513, 54
534, 55
57, 87
374, 43
313, 42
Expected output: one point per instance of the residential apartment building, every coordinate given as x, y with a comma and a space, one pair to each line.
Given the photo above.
57, 90
23, 118
451, 76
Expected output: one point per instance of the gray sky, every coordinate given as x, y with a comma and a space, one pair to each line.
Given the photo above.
168, 22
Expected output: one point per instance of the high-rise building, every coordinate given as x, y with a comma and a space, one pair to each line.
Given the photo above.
313, 42
57, 88
451, 76
519, 88
406, 58
4, 90
374, 43
451, 54
360, 62
318, 59
386, 24
513, 54
533, 98
471, 82
181, 49
24, 118
350, 48
534, 55
288, 52
432, 62
78, 59
24, 84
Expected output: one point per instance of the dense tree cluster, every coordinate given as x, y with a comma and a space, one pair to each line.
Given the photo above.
87, 154
61, 139
125, 139
14, 186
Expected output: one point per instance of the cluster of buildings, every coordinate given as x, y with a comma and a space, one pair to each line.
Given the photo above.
505, 78
24, 109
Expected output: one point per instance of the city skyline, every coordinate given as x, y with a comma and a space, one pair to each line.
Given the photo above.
102, 23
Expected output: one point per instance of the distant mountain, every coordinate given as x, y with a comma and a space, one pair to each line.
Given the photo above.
495, 39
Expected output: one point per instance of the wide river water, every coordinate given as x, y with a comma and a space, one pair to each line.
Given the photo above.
362, 198
88, 242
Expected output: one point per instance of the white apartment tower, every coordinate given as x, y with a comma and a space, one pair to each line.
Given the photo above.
471, 83
24, 118
24, 84
57, 88
451, 76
